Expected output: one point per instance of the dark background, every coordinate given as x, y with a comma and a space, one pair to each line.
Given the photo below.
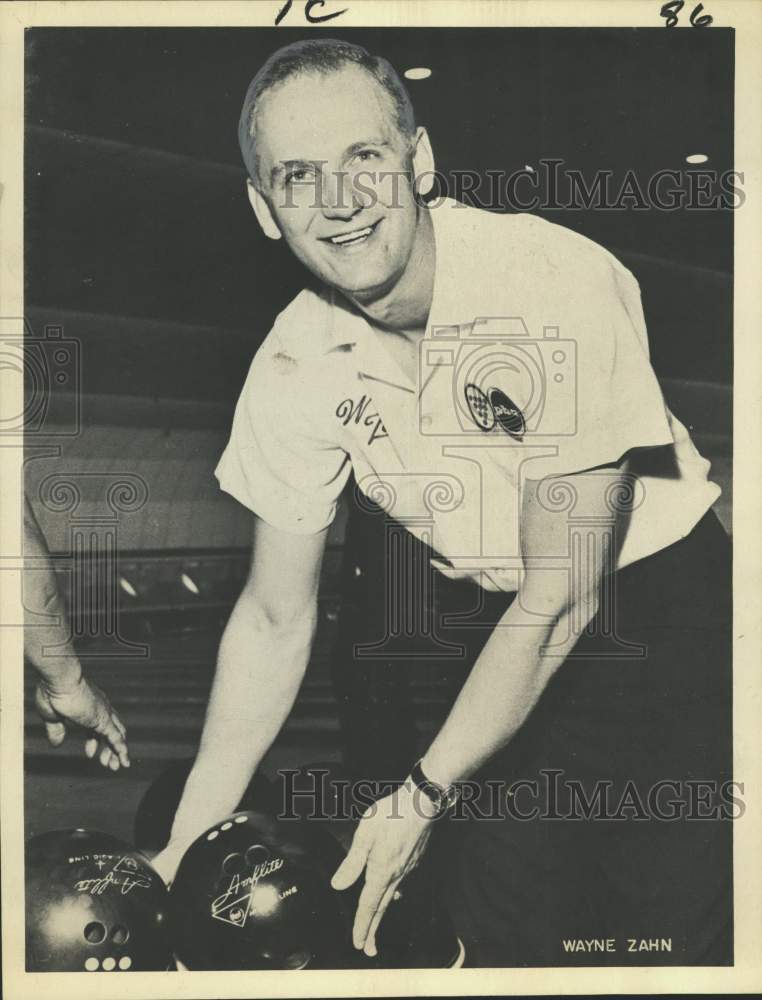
135, 191
141, 245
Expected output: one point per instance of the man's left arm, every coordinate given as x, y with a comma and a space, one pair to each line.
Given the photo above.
532, 639
64, 694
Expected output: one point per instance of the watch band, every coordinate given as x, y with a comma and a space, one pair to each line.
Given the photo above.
443, 798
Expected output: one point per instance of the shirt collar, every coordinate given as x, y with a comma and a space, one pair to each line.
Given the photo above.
345, 323
351, 334
455, 276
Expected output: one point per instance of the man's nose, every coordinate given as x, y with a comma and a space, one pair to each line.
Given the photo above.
340, 199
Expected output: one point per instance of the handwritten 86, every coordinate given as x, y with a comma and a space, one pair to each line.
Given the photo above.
672, 9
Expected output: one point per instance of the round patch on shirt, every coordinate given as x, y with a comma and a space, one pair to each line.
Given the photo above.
507, 414
479, 407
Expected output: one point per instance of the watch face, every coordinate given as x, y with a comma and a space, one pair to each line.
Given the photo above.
451, 796
437, 798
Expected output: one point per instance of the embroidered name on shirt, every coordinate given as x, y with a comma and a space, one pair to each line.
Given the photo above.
363, 415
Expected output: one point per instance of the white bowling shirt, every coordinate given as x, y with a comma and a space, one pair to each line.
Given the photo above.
542, 330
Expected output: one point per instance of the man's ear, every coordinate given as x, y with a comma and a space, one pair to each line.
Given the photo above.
262, 212
423, 163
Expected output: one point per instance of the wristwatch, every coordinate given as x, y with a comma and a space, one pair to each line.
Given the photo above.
442, 798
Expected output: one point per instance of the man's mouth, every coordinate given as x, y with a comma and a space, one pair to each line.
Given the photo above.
352, 238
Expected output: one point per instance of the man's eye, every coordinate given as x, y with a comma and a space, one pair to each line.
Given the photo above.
297, 176
366, 154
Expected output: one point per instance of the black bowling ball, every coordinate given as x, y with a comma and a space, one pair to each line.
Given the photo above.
416, 931
156, 811
93, 904
252, 893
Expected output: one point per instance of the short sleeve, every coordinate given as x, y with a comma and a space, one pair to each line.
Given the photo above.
275, 462
598, 397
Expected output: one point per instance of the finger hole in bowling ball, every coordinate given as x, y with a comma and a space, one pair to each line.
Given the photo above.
120, 934
256, 855
95, 932
297, 960
233, 864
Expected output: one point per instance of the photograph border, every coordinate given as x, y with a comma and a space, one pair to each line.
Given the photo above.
745, 16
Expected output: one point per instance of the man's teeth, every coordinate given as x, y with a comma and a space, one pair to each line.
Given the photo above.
345, 238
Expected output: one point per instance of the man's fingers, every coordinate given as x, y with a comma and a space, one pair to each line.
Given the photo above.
119, 725
105, 757
351, 867
369, 901
91, 747
56, 733
349, 870
370, 939
115, 736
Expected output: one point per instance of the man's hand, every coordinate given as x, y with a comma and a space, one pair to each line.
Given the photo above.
167, 861
85, 705
387, 844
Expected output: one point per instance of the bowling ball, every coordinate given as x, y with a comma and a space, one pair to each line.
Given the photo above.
254, 893
415, 932
156, 811
93, 903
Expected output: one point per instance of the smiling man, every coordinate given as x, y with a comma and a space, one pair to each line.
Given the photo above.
375, 245
561, 500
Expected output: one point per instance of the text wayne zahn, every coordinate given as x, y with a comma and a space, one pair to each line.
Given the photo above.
590, 945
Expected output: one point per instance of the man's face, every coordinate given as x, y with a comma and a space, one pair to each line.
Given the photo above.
325, 143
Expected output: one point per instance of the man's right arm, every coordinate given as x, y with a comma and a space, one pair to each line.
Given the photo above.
262, 660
